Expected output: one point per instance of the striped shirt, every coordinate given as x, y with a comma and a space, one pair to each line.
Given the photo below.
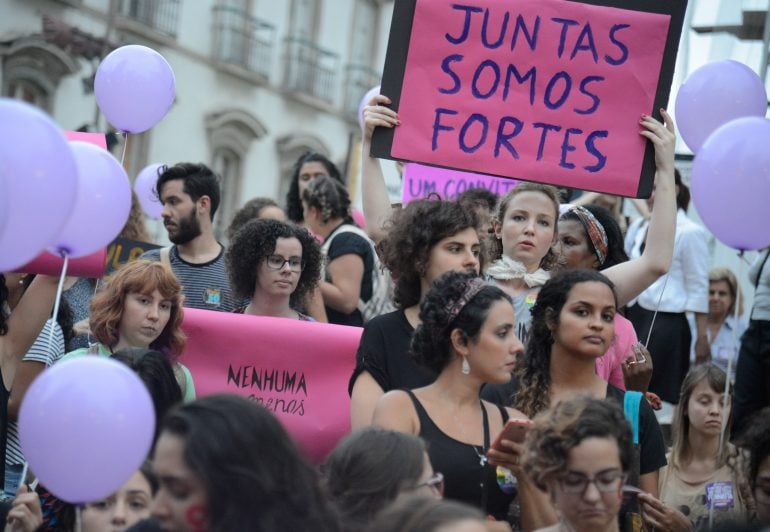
39, 352
205, 286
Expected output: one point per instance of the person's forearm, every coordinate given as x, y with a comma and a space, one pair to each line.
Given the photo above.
374, 194
661, 233
536, 509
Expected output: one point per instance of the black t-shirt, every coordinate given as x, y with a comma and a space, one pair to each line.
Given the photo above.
344, 244
384, 353
652, 446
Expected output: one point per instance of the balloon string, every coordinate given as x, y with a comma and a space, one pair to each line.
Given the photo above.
125, 145
655, 314
58, 297
78, 518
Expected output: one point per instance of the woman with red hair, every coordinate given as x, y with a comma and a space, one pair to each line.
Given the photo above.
140, 306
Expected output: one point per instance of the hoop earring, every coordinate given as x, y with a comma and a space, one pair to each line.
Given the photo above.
466, 366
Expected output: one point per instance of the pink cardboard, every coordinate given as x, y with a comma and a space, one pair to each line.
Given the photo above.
94, 138
92, 265
421, 180
543, 90
298, 370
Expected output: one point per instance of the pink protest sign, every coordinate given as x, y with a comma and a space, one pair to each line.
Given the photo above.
94, 138
298, 370
92, 265
543, 90
420, 181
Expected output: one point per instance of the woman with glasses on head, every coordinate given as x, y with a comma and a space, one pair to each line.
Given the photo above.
373, 467
276, 265
580, 452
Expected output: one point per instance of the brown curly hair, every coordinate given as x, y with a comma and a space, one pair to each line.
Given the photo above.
496, 251
565, 426
412, 233
144, 277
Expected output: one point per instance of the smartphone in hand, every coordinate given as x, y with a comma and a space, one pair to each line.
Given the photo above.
515, 430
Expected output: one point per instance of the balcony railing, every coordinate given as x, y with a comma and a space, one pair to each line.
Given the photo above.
159, 15
243, 40
358, 80
310, 69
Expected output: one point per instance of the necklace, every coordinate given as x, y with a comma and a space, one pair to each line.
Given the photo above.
478, 450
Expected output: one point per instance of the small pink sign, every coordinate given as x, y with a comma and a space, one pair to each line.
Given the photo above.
420, 181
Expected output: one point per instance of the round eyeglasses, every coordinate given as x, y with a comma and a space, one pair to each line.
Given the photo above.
436, 483
605, 481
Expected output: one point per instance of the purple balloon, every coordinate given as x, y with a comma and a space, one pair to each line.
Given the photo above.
102, 203
40, 178
731, 183
134, 87
85, 426
371, 93
715, 94
144, 186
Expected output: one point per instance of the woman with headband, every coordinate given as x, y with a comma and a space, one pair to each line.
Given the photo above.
467, 337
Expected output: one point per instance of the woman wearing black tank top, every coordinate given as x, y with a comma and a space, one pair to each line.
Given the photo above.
466, 336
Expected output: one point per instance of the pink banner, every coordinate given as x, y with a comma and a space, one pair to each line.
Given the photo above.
92, 265
543, 90
298, 370
420, 181
94, 138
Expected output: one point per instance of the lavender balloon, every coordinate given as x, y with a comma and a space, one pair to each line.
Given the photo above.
40, 178
715, 94
134, 88
85, 426
102, 203
144, 186
731, 183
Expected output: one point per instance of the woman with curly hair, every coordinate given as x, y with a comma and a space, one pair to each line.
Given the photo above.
702, 485
274, 264
308, 167
424, 240
580, 452
756, 441
140, 306
467, 337
572, 326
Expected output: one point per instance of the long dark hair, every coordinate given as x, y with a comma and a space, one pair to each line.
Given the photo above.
293, 201
253, 473
533, 368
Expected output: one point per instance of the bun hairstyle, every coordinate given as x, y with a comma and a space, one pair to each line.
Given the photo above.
330, 197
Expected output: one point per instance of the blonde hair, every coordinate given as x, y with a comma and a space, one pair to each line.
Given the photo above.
727, 275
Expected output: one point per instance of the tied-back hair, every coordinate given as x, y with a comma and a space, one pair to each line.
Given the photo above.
533, 368
330, 197
367, 471
432, 343
255, 241
680, 428
563, 427
496, 251
143, 277
616, 254
251, 210
293, 201
412, 234
423, 514
252, 472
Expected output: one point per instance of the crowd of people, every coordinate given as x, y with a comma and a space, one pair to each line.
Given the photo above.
481, 316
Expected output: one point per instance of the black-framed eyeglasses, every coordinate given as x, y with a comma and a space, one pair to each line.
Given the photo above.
605, 481
276, 262
436, 483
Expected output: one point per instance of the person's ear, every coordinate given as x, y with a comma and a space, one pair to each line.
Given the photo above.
550, 319
498, 228
204, 204
459, 342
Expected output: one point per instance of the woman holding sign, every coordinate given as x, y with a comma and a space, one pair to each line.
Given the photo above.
467, 337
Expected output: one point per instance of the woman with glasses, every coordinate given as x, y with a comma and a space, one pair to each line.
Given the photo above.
580, 452
276, 265
373, 467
